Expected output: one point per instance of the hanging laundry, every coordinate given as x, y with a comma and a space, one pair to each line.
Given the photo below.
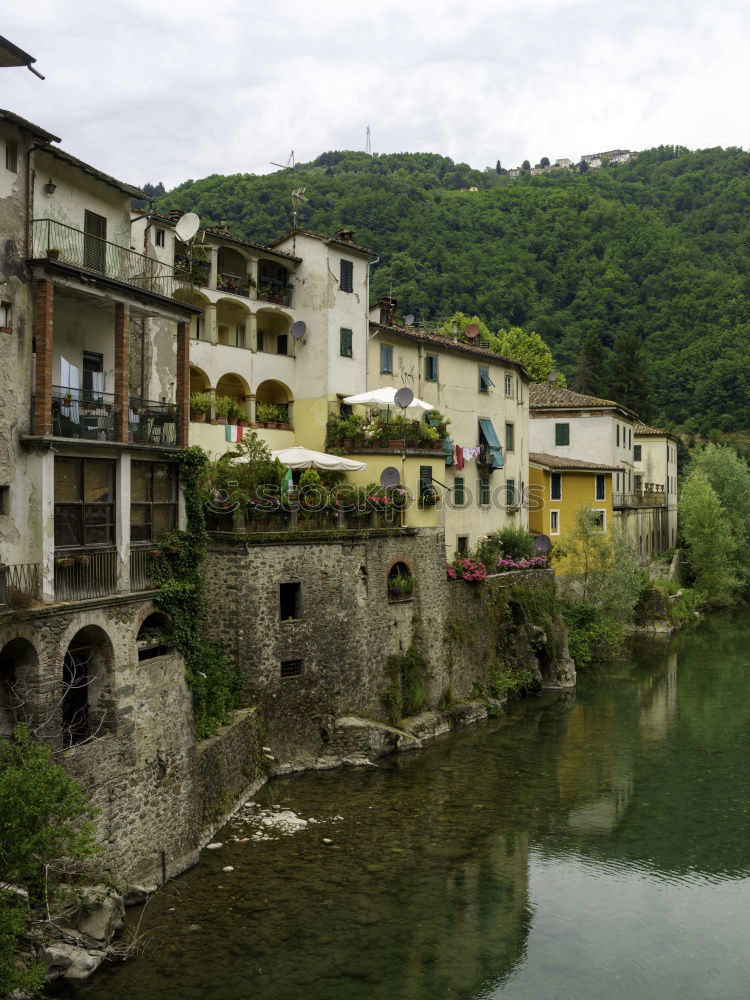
459, 457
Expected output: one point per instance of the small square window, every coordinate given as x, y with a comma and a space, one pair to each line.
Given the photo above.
554, 522
462, 545
562, 435
346, 283
292, 668
600, 519
289, 601
509, 385
160, 237
11, 156
345, 343
6, 316
431, 368
510, 437
386, 359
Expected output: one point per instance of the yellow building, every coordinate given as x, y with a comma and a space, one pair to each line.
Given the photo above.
559, 487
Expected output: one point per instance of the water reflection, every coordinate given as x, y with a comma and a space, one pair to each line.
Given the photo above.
583, 846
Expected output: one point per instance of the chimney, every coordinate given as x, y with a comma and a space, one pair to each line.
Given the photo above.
345, 235
175, 214
388, 310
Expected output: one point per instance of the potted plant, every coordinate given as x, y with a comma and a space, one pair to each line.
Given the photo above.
266, 414
68, 398
64, 561
84, 558
400, 587
53, 253
200, 405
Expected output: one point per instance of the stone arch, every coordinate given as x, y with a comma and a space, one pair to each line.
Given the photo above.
232, 323
272, 391
274, 326
194, 298
199, 381
18, 668
399, 570
234, 385
154, 636
87, 686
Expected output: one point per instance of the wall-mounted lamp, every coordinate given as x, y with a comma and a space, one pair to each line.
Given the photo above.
50, 187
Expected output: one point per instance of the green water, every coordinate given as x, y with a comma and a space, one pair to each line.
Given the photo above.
584, 847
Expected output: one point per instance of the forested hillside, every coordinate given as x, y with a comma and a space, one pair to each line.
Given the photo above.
658, 249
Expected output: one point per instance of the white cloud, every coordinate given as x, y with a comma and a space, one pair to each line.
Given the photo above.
170, 91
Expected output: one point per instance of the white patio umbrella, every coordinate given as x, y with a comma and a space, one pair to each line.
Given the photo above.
385, 397
298, 457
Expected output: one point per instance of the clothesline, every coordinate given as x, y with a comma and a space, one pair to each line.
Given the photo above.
465, 455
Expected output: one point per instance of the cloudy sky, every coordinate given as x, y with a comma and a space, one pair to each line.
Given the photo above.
153, 91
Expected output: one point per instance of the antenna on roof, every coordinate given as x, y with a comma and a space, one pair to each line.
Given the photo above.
187, 226
368, 144
409, 319
552, 377
472, 331
298, 193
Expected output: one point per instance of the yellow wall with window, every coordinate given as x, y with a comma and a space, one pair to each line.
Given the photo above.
557, 517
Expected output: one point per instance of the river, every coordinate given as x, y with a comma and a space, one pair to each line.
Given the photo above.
582, 847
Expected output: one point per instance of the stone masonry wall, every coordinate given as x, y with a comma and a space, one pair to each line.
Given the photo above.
347, 628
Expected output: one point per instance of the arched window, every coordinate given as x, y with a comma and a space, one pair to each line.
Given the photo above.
86, 703
400, 582
155, 636
18, 661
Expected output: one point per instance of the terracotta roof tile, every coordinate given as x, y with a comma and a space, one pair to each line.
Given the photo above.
544, 395
447, 343
644, 430
346, 244
573, 464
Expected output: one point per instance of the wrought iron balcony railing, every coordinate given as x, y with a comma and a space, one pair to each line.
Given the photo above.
82, 573
644, 498
237, 284
78, 413
150, 422
73, 246
142, 559
20, 585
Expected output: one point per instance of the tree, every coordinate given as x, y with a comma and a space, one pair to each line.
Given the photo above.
458, 323
729, 477
544, 162
530, 350
628, 381
46, 834
589, 376
525, 165
498, 167
706, 529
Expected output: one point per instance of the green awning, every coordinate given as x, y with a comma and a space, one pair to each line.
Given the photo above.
493, 443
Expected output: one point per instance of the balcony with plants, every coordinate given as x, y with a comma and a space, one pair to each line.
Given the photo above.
382, 431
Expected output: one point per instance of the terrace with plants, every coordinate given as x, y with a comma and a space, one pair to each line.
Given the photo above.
383, 430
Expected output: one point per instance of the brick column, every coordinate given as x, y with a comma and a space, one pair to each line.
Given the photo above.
122, 370
43, 331
183, 383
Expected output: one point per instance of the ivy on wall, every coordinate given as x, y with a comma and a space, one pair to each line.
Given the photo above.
214, 679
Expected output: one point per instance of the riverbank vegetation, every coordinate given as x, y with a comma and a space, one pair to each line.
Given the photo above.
714, 510
46, 842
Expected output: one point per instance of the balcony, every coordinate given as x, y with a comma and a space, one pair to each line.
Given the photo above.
152, 423
274, 290
652, 496
20, 586
237, 284
77, 413
72, 246
141, 567
192, 272
84, 573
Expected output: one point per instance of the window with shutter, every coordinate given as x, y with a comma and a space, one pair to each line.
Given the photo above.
346, 283
94, 241
345, 342
555, 486
11, 156
484, 491
508, 385
562, 434
510, 493
459, 496
426, 488
510, 437
484, 380
386, 359
431, 368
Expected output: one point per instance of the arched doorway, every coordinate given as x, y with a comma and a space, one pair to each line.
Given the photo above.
155, 636
87, 699
18, 664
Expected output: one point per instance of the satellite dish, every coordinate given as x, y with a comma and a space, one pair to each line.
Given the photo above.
472, 331
553, 376
404, 397
187, 226
409, 319
299, 329
390, 476
542, 543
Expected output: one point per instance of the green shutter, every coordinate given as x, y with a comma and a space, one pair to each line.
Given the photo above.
562, 434
510, 493
459, 496
345, 342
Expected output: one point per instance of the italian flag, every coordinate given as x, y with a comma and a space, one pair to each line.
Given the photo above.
233, 433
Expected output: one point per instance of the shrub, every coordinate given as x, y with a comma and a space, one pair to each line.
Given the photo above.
471, 570
200, 402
